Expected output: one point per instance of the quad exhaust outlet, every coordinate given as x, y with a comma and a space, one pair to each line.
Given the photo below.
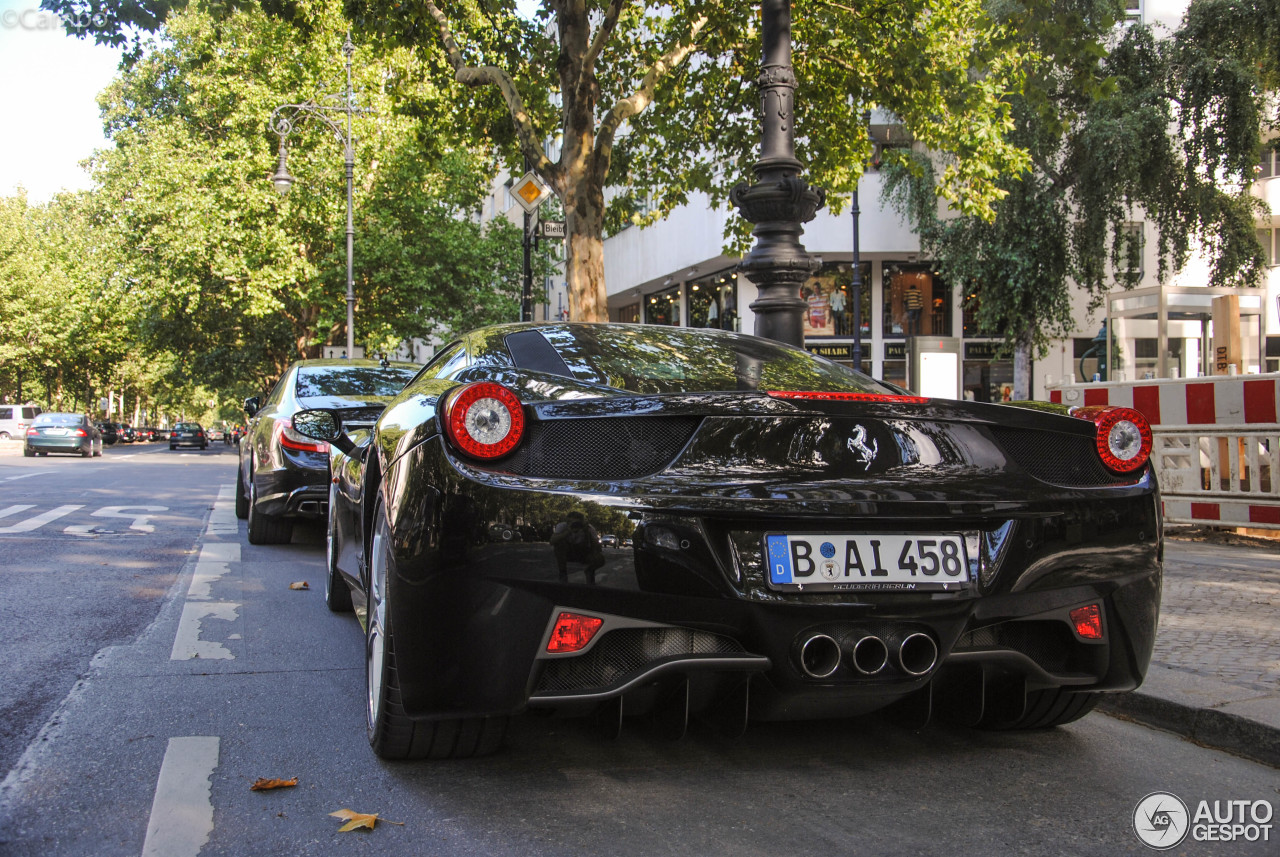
914, 654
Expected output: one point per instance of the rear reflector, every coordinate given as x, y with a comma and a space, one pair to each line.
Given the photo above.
1088, 622
847, 397
573, 632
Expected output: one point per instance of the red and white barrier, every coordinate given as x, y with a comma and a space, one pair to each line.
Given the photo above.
1217, 443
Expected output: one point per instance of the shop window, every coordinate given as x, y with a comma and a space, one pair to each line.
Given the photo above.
663, 307
916, 302
830, 299
713, 301
629, 314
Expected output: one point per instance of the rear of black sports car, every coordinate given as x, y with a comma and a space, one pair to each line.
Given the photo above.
796, 553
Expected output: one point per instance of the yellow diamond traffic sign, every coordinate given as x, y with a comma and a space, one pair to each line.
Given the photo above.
530, 192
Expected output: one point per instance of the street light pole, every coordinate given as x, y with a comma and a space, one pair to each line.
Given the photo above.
283, 121
780, 200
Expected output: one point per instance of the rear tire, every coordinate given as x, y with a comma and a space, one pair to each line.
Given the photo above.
87, 453
266, 529
1044, 709
337, 595
392, 733
28, 453
242, 496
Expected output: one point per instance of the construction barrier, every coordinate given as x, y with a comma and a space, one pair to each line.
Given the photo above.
1216, 443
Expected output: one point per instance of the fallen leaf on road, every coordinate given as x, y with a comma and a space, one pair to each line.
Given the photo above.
301, 584
358, 820
263, 784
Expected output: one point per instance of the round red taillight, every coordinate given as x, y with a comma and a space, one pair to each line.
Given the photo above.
484, 420
1124, 436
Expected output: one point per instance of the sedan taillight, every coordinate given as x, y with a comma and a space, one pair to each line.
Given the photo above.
483, 420
1124, 436
32, 432
81, 433
290, 439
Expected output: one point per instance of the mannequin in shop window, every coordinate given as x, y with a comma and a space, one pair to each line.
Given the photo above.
913, 303
837, 311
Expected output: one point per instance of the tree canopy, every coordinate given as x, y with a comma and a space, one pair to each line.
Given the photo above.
1097, 116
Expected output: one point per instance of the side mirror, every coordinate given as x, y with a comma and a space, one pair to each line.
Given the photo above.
251, 405
323, 425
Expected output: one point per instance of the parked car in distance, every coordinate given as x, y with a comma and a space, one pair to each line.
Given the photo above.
128, 434
110, 432
60, 432
15, 419
215, 434
810, 543
283, 475
188, 434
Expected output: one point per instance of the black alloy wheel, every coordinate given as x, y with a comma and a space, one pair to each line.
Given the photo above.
392, 733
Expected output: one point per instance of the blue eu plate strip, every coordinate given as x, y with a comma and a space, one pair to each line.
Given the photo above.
779, 559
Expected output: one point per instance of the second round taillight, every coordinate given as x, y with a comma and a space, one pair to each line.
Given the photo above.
1124, 436
484, 420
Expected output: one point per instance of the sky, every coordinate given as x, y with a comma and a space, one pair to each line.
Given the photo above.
48, 85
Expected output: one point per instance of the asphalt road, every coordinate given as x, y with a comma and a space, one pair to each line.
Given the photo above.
148, 693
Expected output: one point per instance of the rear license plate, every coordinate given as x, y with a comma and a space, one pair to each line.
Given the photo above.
885, 561
58, 432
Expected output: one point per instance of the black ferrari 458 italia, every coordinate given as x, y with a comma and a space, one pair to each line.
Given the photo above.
805, 542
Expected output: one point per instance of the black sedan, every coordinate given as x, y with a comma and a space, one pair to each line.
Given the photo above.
806, 542
188, 434
282, 475
57, 432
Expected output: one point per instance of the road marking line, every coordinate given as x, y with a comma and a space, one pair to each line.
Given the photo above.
222, 520
214, 561
187, 643
24, 475
182, 810
139, 521
13, 510
38, 521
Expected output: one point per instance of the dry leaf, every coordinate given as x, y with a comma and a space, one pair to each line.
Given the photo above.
263, 784
358, 820
301, 584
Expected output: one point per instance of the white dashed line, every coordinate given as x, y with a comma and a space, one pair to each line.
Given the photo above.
182, 811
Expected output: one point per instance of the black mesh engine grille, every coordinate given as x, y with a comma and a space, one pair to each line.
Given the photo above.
601, 448
622, 653
1059, 459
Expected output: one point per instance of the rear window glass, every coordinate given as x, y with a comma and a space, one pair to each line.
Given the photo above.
187, 427
58, 420
352, 381
652, 359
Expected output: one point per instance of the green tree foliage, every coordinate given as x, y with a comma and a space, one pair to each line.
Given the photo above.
240, 281
63, 315
1097, 116
659, 102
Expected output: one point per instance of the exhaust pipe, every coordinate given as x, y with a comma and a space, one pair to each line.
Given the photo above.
819, 656
917, 653
869, 655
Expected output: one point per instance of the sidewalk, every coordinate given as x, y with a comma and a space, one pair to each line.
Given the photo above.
1215, 673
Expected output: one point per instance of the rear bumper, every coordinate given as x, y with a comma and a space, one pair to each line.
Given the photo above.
293, 492
689, 601
59, 444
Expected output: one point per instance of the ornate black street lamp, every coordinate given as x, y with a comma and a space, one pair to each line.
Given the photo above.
284, 119
780, 200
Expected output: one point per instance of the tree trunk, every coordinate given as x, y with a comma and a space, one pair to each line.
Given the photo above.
584, 257
1022, 367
